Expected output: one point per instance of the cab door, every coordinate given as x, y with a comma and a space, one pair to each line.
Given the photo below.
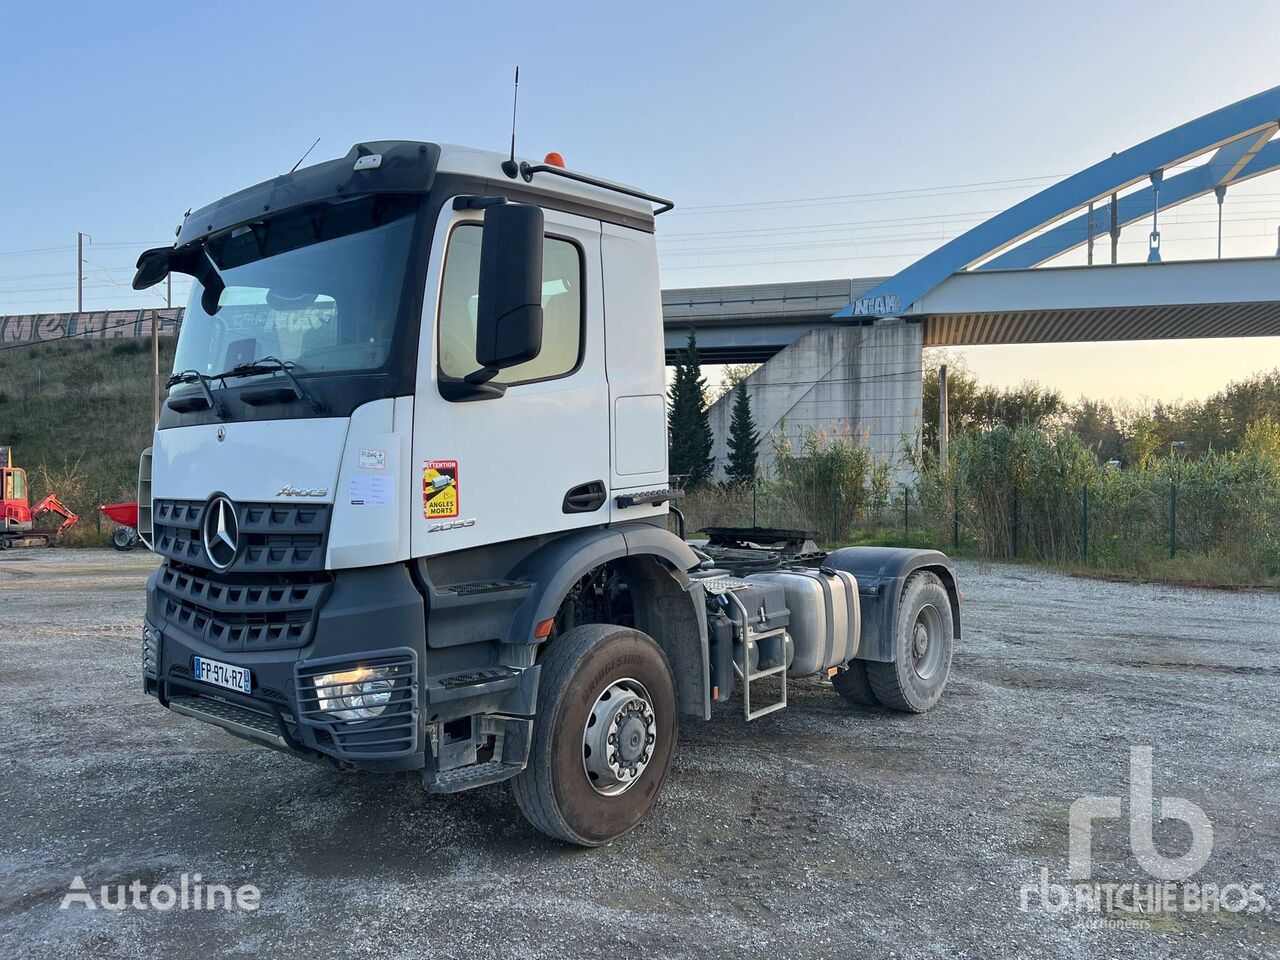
536, 459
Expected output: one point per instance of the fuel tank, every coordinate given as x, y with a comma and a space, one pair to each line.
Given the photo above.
824, 616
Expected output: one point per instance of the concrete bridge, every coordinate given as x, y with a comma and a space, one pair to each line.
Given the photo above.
845, 356
1165, 301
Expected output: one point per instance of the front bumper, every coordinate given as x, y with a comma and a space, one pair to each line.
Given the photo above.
453, 712
283, 634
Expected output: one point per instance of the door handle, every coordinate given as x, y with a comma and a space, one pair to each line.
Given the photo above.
585, 498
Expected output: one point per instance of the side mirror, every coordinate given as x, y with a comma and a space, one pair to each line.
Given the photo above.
509, 305
158, 262
153, 266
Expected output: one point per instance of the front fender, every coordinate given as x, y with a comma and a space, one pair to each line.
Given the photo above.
656, 564
555, 567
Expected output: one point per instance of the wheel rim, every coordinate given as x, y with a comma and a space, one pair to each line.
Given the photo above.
619, 738
927, 642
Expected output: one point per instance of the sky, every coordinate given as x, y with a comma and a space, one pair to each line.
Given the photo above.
800, 141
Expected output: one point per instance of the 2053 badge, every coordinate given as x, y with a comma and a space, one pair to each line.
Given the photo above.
440, 494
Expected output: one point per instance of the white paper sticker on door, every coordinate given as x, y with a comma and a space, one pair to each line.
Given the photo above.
373, 459
370, 491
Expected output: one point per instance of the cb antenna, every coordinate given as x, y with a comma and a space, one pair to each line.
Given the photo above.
510, 167
304, 156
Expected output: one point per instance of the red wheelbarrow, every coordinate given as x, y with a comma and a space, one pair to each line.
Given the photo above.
125, 535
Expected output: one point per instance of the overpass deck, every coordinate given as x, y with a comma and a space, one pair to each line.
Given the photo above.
1139, 301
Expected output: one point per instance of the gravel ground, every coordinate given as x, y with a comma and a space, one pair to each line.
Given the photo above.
820, 831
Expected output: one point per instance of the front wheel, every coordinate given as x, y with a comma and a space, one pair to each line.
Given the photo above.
603, 737
922, 644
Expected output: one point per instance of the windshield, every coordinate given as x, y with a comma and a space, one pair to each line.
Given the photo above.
319, 288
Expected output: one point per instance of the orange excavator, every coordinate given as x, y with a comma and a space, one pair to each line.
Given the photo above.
17, 515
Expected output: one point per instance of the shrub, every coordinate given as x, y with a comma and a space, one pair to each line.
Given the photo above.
130, 346
1026, 487
832, 485
84, 375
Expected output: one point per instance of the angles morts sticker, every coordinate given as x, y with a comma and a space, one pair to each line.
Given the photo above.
439, 489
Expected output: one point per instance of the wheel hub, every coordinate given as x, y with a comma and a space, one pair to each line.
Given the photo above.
927, 646
920, 643
619, 737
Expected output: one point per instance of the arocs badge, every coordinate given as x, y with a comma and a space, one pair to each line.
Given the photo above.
440, 489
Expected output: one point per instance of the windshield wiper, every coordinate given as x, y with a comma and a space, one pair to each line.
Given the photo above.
183, 404
271, 365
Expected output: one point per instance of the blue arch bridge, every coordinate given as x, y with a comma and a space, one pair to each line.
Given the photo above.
848, 353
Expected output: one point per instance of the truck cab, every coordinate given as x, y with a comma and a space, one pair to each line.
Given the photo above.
15, 514
410, 490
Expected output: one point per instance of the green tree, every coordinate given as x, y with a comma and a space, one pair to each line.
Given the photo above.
689, 427
1095, 422
730, 377
1262, 441
962, 396
1028, 403
744, 441
971, 405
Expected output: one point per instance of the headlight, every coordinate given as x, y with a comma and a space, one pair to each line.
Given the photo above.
359, 694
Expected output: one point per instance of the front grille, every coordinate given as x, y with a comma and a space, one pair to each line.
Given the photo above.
273, 537
393, 733
177, 530
241, 616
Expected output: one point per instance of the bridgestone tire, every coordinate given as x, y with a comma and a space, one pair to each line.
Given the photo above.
855, 686
553, 791
900, 685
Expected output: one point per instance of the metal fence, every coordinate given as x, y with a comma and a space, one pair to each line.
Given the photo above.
1111, 524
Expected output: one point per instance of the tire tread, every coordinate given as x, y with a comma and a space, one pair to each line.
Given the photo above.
886, 678
854, 684
533, 788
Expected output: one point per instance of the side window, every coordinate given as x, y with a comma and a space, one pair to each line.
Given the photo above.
561, 307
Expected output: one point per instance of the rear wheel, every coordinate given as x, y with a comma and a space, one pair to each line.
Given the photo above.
603, 736
854, 685
923, 642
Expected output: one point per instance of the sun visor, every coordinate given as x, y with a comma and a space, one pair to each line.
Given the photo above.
385, 166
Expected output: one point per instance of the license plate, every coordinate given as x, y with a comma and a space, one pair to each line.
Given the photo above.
222, 674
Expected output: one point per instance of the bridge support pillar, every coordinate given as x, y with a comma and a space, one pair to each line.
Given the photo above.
854, 380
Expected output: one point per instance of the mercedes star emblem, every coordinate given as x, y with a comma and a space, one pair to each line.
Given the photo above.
222, 434
220, 532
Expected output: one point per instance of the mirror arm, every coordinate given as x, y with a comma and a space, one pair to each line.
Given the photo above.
476, 202
483, 375
461, 391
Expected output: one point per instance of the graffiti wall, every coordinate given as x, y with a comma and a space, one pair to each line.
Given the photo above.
95, 324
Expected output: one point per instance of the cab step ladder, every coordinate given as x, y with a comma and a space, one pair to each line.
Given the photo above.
724, 588
751, 676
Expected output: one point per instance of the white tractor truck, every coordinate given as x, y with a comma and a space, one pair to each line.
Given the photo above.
410, 487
